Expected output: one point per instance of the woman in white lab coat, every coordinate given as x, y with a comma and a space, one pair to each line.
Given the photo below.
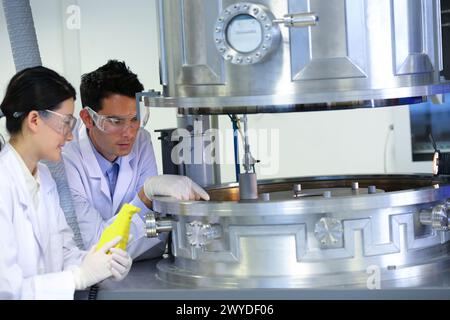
39, 259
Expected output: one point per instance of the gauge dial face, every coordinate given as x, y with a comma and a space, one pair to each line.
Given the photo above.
244, 33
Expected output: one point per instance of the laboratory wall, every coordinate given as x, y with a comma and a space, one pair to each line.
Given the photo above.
76, 37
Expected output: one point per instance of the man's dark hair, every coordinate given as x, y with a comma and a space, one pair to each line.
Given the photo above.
112, 78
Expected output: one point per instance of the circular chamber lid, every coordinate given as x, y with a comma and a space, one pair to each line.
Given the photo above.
299, 102
317, 194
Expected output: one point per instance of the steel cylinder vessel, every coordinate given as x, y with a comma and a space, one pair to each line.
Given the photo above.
218, 56
330, 233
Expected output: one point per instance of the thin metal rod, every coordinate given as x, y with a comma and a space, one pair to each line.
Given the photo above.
246, 145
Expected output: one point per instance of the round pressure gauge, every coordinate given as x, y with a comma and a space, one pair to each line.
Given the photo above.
245, 34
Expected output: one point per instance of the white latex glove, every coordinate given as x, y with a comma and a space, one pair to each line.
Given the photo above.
130, 238
96, 266
121, 264
180, 187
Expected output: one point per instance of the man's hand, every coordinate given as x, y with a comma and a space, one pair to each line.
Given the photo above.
179, 187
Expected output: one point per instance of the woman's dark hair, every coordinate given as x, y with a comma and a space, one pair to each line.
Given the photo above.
36, 88
112, 78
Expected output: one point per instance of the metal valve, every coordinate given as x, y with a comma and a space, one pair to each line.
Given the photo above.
437, 217
153, 226
298, 20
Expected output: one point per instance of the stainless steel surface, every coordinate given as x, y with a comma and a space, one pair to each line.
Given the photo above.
360, 53
195, 136
310, 241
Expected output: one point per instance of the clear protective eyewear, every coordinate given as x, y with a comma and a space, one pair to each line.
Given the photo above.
115, 124
61, 123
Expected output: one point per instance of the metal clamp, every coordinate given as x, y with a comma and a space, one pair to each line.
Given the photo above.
153, 226
199, 234
271, 34
298, 20
329, 232
437, 217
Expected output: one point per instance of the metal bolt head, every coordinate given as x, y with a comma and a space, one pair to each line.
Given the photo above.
265, 196
297, 188
329, 232
327, 194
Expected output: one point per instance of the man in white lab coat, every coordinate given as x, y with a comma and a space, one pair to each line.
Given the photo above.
111, 160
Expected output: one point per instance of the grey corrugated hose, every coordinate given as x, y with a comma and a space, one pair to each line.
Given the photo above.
22, 34
25, 50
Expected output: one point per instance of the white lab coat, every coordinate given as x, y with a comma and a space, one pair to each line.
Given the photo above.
37, 250
90, 191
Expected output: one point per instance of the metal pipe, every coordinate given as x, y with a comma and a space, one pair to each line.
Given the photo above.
298, 20
22, 34
437, 217
154, 226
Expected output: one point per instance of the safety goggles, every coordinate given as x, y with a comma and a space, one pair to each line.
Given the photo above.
115, 124
61, 123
